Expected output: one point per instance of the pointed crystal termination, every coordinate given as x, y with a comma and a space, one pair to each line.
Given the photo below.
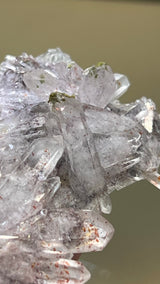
83, 157
98, 86
53, 56
31, 174
28, 268
66, 230
122, 85
43, 84
44, 242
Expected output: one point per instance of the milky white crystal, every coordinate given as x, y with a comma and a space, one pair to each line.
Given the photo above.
66, 143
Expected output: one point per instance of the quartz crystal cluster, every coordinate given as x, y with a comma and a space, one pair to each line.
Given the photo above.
66, 142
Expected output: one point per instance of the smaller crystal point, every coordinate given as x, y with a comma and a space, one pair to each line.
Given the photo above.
53, 56
105, 203
76, 271
40, 82
122, 85
98, 86
146, 113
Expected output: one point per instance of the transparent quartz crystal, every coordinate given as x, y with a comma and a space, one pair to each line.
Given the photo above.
66, 142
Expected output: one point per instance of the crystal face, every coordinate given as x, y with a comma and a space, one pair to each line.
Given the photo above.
66, 142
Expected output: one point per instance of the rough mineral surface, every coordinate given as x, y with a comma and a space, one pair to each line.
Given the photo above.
66, 143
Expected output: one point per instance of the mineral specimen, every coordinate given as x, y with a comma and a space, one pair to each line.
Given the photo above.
66, 143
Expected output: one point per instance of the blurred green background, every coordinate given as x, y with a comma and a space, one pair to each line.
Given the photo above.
126, 35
